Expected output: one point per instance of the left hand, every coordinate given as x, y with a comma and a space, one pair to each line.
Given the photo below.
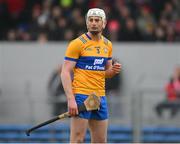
116, 68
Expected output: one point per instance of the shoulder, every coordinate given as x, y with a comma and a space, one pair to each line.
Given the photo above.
79, 41
107, 41
83, 38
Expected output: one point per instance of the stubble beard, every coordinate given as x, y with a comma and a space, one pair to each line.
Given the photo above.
95, 32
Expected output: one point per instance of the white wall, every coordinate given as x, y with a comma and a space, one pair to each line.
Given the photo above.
146, 64
29, 63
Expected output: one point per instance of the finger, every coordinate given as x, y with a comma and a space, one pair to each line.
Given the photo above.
116, 68
71, 111
77, 112
117, 64
74, 112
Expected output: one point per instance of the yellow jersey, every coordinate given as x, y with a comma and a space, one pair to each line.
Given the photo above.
90, 57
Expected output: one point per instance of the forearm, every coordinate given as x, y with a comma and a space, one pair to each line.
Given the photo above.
109, 73
67, 84
112, 70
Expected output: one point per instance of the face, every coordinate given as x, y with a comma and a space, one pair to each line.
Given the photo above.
95, 24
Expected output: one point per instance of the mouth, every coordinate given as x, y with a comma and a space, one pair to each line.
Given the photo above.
94, 28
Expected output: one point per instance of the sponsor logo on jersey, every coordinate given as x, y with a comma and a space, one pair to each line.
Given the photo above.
90, 67
105, 50
98, 61
88, 49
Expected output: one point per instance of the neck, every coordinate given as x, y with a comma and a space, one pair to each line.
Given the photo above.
95, 37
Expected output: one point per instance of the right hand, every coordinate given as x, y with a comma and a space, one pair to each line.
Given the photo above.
72, 107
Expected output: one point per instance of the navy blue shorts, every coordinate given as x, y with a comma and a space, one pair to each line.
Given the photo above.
100, 114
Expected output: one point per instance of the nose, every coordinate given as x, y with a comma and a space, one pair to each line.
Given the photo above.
94, 23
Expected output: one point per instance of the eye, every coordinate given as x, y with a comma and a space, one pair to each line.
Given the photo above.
91, 20
96, 20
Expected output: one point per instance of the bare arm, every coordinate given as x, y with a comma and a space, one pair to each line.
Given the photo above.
67, 69
112, 70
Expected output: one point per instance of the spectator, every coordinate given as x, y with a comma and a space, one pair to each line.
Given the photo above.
42, 38
172, 100
68, 35
160, 34
11, 35
56, 92
130, 33
170, 34
113, 28
57, 33
138, 20
146, 24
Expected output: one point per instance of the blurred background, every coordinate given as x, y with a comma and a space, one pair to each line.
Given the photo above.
143, 99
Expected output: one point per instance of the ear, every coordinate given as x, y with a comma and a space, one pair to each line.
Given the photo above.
104, 24
86, 18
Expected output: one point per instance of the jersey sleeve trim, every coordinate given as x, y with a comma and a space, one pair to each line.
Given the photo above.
109, 58
70, 59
